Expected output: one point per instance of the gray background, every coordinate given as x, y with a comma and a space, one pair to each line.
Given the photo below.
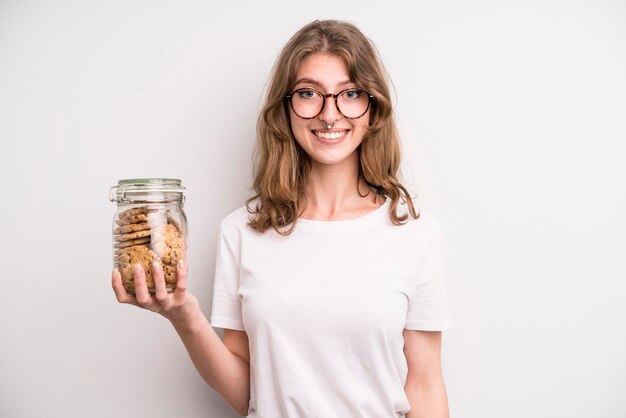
512, 120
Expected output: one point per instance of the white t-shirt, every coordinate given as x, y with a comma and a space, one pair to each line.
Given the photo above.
324, 309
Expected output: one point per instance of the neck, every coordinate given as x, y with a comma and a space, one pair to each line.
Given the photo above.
332, 189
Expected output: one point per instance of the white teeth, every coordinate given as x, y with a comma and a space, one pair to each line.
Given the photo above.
330, 135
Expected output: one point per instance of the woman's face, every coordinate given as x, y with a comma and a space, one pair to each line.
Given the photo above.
327, 73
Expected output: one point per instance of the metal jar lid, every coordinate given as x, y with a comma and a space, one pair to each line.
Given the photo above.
149, 190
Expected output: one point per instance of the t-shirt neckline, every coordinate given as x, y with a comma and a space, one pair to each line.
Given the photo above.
375, 217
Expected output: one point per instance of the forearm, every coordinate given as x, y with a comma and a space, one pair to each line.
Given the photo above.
225, 372
428, 401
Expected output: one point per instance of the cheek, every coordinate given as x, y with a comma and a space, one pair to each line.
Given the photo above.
364, 121
296, 122
298, 127
362, 124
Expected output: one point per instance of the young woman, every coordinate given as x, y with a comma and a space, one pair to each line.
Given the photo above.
329, 284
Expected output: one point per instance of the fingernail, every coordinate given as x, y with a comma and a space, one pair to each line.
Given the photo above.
156, 265
138, 267
181, 263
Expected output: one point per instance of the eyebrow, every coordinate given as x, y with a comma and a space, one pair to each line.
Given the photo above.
317, 83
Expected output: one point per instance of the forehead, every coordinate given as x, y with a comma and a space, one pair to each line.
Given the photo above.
327, 70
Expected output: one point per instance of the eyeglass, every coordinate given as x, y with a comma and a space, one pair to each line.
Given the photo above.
308, 103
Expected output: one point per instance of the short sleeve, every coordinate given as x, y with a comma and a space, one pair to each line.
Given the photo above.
428, 306
226, 309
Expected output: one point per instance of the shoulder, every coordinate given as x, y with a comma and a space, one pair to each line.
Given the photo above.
428, 220
236, 217
425, 221
421, 232
236, 222
431, 234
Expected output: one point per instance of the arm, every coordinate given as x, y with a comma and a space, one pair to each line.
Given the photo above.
425, 388
218, 362
223, 365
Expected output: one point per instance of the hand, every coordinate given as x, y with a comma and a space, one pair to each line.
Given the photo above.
175, 306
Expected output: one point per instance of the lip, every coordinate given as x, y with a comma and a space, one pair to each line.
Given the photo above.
330, 131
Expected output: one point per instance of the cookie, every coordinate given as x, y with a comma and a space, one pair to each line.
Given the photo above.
126, 255
132, 242
171, 220
164, 234
133, 235
133, 219
127, 268
133, 249
168, 243
119, 251
171, 274
171, 256
142, 210
127, 229
128, 277
123, 258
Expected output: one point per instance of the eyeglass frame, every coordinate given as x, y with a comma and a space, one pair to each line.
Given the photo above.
326, 96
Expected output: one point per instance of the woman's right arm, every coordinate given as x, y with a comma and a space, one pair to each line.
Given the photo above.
223, 365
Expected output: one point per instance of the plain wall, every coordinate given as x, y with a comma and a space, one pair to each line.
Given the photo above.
511, 115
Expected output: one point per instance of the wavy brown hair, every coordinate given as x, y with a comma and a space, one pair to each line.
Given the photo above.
281, 165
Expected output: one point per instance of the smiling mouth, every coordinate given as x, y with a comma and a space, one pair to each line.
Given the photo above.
330, 134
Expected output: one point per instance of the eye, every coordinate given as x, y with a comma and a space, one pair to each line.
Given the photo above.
351, 94
306, 93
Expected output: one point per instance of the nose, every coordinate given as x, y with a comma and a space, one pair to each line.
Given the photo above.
330, 113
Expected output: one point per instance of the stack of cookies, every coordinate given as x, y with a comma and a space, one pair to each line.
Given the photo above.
145, 235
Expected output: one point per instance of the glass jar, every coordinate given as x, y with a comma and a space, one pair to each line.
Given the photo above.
149, 225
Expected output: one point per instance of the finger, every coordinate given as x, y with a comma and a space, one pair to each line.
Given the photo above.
159, 283
120, 293
181, 283
141, 288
